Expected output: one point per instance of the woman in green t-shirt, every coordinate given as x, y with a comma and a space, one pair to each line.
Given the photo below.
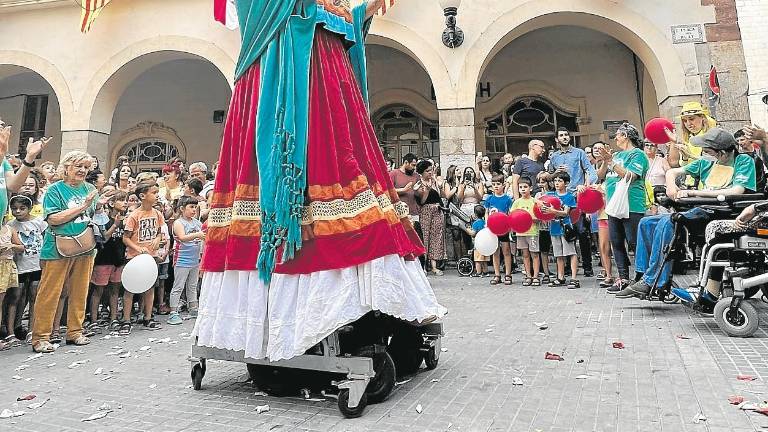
632, 163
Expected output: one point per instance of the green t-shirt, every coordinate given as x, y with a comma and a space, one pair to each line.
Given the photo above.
4, 168
636, 162
59, 197
741, 173
527, 205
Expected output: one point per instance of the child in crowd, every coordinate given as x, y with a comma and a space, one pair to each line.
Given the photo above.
110, 259
163, 257
30, 230
10, 245
481, 261
562, 248
188, 234
142, 235
193, 187
545, 241
499, 201
528, 242
133, 202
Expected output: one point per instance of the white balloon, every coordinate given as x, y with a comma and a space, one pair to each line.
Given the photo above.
140, 274
486, 242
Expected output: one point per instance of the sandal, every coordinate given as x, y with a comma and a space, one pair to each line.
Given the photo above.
55, 338
545, 279
535, 282
43, 347
526, 281
508, 280
79, 341
163, 309
114, 326
125, 329
573, 284
496, 280
151, 324
557, 283
605, 283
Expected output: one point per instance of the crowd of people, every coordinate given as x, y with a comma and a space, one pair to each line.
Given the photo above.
70, 230
702, 160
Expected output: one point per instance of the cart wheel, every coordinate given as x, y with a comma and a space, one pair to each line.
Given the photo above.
384, 382
431, 358
465, 266
351, 412
405, 350
198, 372
742, 322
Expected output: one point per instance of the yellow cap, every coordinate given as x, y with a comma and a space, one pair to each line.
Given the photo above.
693, 108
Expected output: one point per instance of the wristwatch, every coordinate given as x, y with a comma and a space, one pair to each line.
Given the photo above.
28, 164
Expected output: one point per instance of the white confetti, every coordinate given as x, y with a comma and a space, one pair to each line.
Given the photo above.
108, 377
78, 363
50, 365
435, 380
125, 355
699, 418
399, 383
37, 405
260, 393
145, 348
582, 377
153, 386
444, 349
105, 407
98, 371
419, 408
16, 377
98, 415
34, 357
8, 414
517, 381
20, 368
262, 409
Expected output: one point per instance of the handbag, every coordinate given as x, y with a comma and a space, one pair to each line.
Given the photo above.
72, 246
569, 232
618, 205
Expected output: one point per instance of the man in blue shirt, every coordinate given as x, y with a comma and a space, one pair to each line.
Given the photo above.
575, 162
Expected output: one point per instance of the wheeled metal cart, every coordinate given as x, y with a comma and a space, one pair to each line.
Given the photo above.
366, 374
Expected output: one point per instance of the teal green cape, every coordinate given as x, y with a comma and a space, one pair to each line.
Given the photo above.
278, 34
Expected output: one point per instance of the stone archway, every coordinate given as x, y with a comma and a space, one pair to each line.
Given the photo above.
633, 30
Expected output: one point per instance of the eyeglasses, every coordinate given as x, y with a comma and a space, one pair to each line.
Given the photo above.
650, 145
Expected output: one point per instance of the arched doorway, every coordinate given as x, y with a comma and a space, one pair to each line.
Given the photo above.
174, 108
405, 115
572, 77
30, 105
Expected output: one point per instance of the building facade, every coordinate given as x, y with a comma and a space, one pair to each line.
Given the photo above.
153, 79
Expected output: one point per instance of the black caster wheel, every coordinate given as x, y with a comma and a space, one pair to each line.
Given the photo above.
351, 412
465, 266
742, 322
432, 358
384, 382
405, 350
274, 381
198, 372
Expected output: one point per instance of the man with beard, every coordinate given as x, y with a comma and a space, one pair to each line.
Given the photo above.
575, 162
404, 179
529, 166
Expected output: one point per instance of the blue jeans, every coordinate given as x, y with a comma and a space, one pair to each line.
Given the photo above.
653, 235
622, 232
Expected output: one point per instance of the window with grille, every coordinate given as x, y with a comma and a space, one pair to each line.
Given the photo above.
33, 120
401, 130
149, 155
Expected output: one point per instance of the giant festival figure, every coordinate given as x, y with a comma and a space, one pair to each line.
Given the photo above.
306, 232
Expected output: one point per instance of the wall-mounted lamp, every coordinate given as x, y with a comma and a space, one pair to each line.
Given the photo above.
453, 36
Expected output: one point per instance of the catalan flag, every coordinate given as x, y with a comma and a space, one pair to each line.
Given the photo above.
90, 11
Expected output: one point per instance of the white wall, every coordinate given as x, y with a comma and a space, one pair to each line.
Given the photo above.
752, 22
580, 62
12, 109
182, 94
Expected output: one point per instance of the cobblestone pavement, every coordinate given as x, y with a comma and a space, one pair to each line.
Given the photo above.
673, 368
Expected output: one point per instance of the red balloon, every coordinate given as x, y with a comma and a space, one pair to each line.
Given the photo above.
654, 130
575, 214
498, 223
549, 200
520, 221
590, 201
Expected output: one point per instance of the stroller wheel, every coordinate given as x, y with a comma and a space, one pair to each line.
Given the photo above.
741, 322
465, 266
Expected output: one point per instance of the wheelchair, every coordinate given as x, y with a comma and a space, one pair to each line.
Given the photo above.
688, 249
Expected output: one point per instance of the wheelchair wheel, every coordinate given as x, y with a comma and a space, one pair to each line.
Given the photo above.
465, 266
742, 322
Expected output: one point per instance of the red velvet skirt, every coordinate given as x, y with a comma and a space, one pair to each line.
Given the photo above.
353, 214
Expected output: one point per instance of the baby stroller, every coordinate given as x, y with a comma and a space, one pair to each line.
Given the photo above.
465, 265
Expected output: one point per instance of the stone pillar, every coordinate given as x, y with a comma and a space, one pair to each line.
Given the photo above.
457, 137
751, 19
93, 142
670, 107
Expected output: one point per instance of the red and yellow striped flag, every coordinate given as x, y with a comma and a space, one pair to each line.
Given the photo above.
90, 11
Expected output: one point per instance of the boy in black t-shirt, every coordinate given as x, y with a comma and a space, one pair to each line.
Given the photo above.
110, 259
